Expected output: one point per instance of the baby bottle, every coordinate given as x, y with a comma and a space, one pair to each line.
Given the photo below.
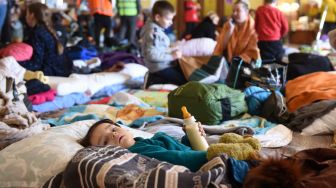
196, 140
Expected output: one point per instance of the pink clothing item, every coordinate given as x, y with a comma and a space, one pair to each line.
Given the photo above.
20, 51
42, 97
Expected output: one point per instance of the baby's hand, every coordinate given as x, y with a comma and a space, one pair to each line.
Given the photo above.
177, 54
200, 128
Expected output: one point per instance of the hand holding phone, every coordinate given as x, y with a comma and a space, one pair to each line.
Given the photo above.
233, 21
232, 24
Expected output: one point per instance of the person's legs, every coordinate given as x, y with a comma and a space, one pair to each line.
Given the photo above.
132, 30
3, 13
270, 50
123, 28
97, 28
172, 75
107, 24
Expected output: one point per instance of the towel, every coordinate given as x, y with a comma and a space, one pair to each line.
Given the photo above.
242, 43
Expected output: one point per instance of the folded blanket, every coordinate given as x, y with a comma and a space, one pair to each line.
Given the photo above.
42, 97
62, 102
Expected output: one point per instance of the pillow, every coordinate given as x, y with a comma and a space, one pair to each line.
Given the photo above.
197, 47
134, 70
32, 161
20, 51
86, 83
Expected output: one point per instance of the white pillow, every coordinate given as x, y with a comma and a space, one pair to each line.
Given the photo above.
197, 47
32, 161
86, 83
134, 70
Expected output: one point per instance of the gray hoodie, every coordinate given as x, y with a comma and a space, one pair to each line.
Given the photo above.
155, 47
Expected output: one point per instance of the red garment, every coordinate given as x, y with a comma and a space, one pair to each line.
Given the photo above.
270, 23
190, 11
104, 100
42, 97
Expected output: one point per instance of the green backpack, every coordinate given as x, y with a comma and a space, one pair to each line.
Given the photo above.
208, 103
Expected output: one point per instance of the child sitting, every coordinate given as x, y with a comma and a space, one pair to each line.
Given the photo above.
160, 146
155, 47
47, 49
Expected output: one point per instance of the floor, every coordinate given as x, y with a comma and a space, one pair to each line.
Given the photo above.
299, 143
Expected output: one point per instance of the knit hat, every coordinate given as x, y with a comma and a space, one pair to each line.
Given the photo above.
20, 51
234, 145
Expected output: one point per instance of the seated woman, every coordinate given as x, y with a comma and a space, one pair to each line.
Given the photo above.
160, 146
207, 28
47, 49
238, 36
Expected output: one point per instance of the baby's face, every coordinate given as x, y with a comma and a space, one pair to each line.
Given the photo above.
110, 134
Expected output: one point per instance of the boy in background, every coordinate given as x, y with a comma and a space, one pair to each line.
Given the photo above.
159, 57
271, 25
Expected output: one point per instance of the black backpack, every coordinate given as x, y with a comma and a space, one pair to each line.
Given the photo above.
305, 63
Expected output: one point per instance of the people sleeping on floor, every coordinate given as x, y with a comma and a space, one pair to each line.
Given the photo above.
238, 36
47, 50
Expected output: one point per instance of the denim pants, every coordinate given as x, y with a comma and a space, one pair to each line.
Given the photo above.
3, 13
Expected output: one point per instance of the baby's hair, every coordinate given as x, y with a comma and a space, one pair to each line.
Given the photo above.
162, 8
86, 140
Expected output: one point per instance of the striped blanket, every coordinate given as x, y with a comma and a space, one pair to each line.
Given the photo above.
110, 166
205, 69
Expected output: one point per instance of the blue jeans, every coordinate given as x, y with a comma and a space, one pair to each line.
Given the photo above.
3, 13
172, 75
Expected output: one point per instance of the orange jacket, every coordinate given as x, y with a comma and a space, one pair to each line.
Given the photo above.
242, 43
309, 88
103, 7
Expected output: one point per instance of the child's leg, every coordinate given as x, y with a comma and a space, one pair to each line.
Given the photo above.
173, 75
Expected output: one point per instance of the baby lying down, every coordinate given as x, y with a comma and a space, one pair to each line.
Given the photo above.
165, 148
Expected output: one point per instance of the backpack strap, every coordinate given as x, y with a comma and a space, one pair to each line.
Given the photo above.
237, 73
